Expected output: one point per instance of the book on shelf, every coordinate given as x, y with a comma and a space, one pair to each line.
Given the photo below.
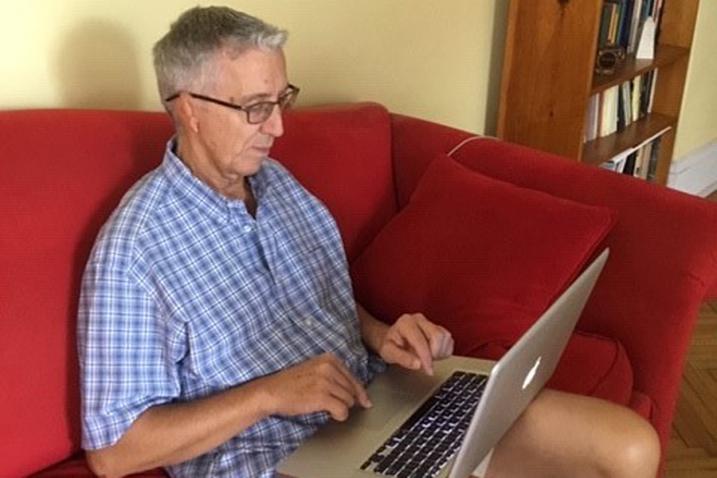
615, 108
608, 111
634, 27
617, 163
640, 161
646, 45
653, 84
635, 87
654, 157
629, 167
621, 22
591, 119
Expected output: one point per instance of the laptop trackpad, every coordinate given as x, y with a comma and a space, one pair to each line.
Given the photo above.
383, 410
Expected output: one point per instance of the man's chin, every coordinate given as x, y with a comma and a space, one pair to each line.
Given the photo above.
253, 165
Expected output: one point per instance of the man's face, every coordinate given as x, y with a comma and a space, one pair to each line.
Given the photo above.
226, 146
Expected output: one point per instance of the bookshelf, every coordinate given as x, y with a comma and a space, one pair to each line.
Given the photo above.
548, 79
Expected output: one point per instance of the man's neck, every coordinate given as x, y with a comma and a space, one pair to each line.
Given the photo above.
234, 188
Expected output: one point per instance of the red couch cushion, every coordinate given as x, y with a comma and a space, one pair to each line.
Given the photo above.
342, 154
63, 172
482, 257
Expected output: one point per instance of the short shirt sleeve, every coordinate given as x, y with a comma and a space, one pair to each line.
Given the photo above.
125, 349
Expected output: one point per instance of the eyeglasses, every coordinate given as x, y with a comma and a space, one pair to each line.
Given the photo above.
256, 113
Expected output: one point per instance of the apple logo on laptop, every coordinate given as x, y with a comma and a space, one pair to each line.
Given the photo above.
531, 374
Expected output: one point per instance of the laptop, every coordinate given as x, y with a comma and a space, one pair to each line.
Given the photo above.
444, 425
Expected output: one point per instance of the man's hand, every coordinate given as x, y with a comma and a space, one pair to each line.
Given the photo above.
414, 342
321, 384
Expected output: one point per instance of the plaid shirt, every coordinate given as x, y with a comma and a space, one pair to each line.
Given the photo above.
186, 294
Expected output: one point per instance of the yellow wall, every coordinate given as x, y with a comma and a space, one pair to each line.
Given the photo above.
698, 119
434, 59
421, 57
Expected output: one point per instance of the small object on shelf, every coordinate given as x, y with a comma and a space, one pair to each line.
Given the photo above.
646, 47
608, 60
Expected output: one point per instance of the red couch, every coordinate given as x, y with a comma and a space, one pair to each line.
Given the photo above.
63, 172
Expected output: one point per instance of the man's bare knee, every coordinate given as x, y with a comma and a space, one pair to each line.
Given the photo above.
636, 452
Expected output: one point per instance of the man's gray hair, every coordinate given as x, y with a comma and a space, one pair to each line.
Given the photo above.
182, 57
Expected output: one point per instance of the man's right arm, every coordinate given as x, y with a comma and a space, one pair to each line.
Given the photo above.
172, 433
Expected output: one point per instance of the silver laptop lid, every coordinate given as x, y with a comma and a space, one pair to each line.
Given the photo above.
518, 377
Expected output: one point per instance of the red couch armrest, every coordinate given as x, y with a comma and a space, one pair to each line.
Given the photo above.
663, 249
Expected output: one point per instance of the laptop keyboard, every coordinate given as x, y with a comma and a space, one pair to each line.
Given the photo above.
430, 437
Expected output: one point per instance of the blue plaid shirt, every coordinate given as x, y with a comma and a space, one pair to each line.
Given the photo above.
186, 294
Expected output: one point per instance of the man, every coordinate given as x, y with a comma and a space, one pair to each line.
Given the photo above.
217, 327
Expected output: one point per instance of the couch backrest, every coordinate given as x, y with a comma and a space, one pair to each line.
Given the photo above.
62, 173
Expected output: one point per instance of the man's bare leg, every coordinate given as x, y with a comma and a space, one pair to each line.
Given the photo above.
565, 435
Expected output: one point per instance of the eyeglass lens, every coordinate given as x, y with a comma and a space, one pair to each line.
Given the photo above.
260, 112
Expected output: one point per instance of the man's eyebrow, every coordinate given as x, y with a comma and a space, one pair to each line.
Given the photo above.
251, 98
257, 97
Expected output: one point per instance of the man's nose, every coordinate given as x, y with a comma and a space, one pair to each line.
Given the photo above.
274, 125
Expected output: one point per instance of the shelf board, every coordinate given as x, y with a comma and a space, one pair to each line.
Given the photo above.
664, 55
602, 149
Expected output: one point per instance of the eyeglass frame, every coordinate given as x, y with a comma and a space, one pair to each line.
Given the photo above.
284, 101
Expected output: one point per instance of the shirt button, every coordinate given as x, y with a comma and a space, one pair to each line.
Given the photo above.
308, 322
247, 229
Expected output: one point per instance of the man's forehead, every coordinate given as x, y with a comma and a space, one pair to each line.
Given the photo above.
254, 74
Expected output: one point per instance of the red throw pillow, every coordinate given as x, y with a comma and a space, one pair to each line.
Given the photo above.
482, 257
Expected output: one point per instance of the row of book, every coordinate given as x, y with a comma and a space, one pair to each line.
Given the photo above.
640, 161
622, 20
615, 108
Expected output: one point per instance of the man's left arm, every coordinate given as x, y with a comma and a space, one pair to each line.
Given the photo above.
413, 341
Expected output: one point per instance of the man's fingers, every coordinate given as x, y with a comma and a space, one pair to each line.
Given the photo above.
416, 338
437, 341
396, 339
432, 332
445, 347
336, 408
402, 357
342, 392
351, 383
439, 337
450, 346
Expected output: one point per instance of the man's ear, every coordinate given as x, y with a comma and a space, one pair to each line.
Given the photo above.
186, 114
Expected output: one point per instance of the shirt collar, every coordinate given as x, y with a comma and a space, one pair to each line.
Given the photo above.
201, 195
